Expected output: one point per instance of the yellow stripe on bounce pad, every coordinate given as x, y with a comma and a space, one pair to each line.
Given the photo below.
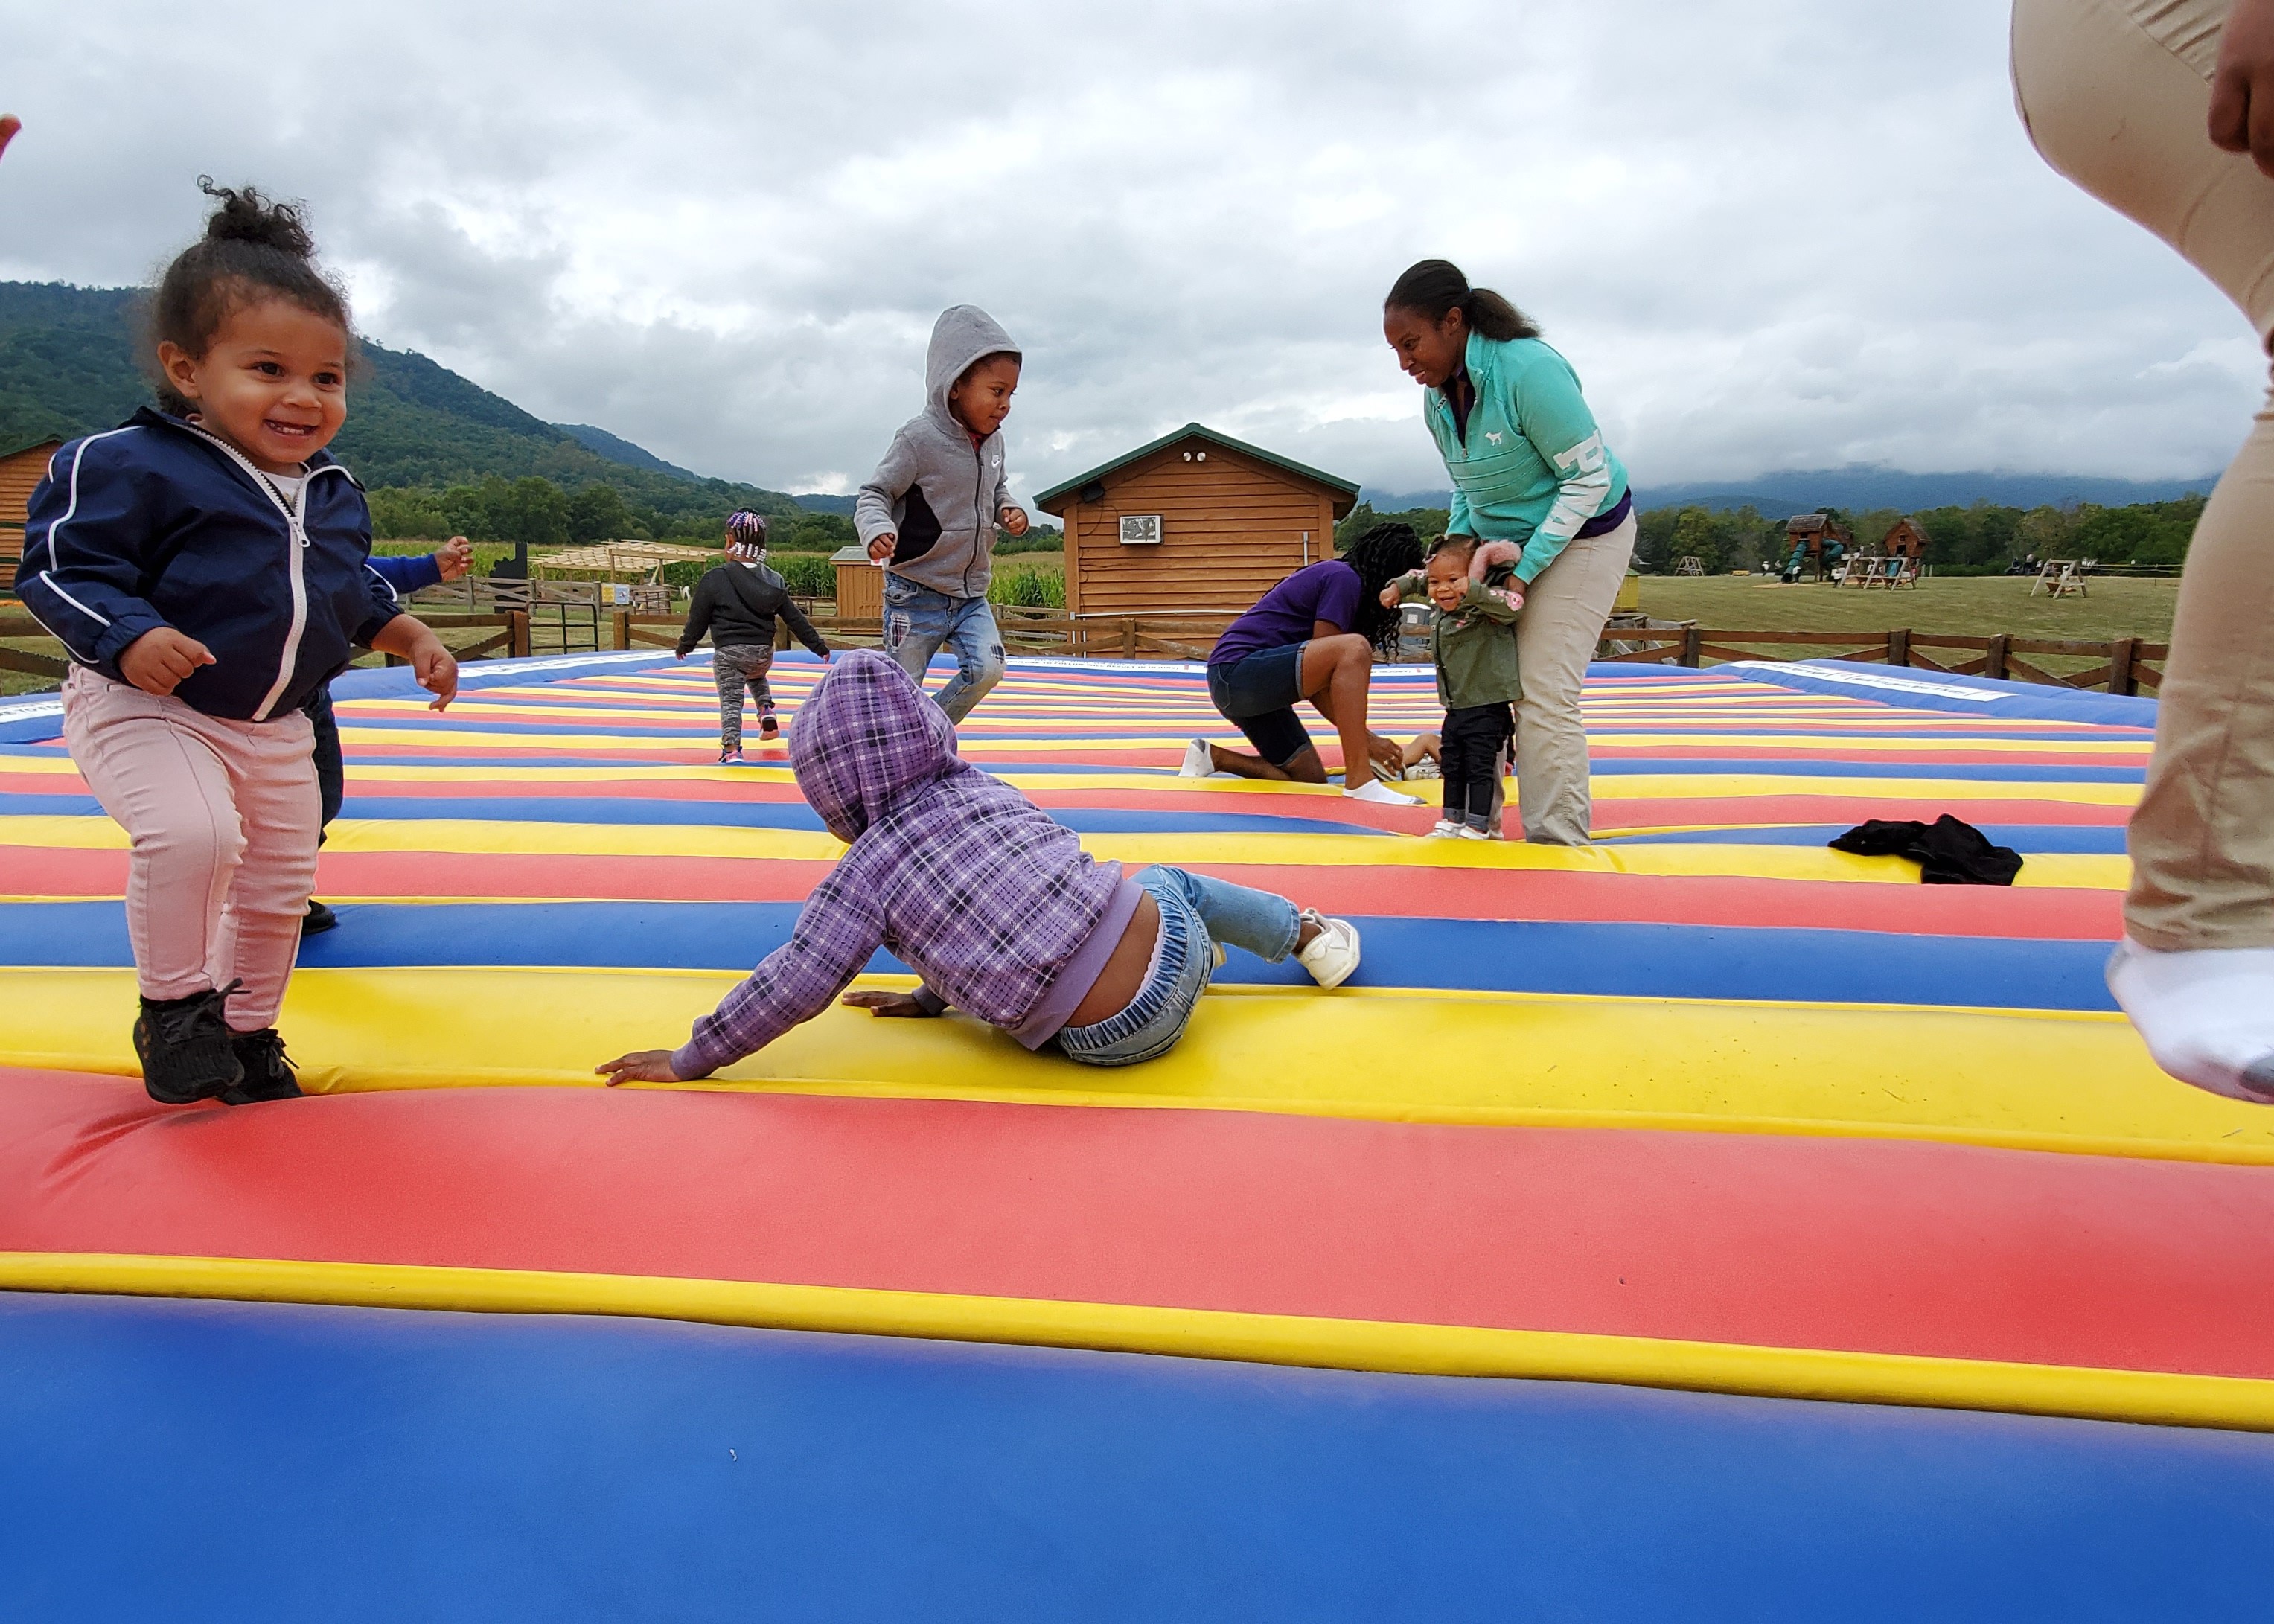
2153, 1397
2052, 1080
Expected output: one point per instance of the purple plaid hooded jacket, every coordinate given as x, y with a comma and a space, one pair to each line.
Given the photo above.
950, 870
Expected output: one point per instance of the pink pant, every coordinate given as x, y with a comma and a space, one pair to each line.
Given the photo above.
224, 818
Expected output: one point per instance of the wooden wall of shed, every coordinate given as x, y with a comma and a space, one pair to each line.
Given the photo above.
1232, 529
859, 592
19, 471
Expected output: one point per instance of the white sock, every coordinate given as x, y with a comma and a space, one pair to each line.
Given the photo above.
2207, 1015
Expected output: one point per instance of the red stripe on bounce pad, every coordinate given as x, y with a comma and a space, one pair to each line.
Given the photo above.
2049, 914
1863, 1245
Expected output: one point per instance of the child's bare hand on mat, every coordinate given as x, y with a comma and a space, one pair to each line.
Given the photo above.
880, 551
903, 1004
641, 1065
158, 660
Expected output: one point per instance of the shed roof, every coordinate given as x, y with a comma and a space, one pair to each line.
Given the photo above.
46, 443
1345, 491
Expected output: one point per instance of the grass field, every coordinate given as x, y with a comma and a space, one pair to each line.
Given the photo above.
1967, 606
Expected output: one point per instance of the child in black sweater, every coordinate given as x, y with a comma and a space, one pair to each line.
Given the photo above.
736, 604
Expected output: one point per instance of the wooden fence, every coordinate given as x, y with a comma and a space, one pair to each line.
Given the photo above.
2125, 666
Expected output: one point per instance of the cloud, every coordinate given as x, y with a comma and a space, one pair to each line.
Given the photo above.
1768, 236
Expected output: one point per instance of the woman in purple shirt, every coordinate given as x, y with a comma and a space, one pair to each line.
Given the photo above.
1312, 636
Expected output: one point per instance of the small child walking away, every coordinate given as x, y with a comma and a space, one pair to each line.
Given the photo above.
208, 567
1473, 643
996, 905
929, 512
736, 604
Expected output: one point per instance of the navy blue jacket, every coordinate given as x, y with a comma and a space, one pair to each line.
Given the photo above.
157, 524
407, 575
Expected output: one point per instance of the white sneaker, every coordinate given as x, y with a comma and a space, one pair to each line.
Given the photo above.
2207, 1016
1198, 762
1469, 832
1333, 953
1446, 830
1382, 795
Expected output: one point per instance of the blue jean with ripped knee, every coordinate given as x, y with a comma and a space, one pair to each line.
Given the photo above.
919, 622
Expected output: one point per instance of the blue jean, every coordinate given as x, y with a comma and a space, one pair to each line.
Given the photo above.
1197, 915
918, 621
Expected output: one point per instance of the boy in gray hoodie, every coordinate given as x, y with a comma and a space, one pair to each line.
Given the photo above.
929, 510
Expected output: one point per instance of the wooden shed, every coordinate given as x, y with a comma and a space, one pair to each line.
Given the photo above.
1196, 522
19, 471
860, 585
1906, 540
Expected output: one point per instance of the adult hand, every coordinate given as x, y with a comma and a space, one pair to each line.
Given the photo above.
641, 1065
1388, 755
2242, 85
900, 1004
455, 557
157, 661
1014, 520
880, 551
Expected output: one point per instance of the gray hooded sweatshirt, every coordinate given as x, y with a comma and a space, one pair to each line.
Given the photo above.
939, 493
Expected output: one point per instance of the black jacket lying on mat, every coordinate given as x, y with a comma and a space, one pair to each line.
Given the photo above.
1948, 852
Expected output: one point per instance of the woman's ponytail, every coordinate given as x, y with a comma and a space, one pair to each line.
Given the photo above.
1435, 286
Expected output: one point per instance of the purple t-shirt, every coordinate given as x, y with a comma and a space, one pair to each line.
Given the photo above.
1327, 590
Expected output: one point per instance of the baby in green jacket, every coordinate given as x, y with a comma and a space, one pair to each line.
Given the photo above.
1472, 641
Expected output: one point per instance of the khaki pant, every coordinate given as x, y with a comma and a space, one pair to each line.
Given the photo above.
1557, 634
224, 818
2116, 94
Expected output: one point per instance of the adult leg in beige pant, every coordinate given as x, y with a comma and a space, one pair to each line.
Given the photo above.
2116, 94
223, 818
1564, 610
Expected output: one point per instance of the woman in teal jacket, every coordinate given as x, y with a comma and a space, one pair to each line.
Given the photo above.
1528, 466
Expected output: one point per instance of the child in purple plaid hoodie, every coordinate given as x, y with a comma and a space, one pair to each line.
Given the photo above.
992, 903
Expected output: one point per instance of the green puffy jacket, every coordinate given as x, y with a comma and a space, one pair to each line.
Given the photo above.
1474, 645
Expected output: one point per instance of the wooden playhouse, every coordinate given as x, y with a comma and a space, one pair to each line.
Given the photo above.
1195, 522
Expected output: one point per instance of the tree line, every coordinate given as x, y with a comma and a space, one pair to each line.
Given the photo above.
1984, 538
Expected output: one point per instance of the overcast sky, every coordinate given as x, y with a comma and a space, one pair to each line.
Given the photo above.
1770, 234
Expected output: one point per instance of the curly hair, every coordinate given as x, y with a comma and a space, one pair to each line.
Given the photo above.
1380, 556
254, 248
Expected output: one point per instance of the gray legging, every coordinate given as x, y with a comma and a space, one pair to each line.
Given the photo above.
735, 667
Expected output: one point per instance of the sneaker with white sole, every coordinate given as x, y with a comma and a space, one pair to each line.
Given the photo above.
1468, 831
731, 758
1381, 794
1332, 955
1446, 830
1198, 761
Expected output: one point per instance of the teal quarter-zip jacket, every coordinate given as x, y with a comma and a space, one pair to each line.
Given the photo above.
1533, 468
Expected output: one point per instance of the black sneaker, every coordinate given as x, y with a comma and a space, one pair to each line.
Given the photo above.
318, 919
267, 1068
185, 1048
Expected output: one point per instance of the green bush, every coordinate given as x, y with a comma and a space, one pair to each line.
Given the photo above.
1027, 589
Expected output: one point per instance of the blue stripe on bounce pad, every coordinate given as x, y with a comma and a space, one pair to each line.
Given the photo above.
196, 1461
1640, 960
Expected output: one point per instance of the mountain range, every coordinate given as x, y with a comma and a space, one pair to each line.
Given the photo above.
69, 365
